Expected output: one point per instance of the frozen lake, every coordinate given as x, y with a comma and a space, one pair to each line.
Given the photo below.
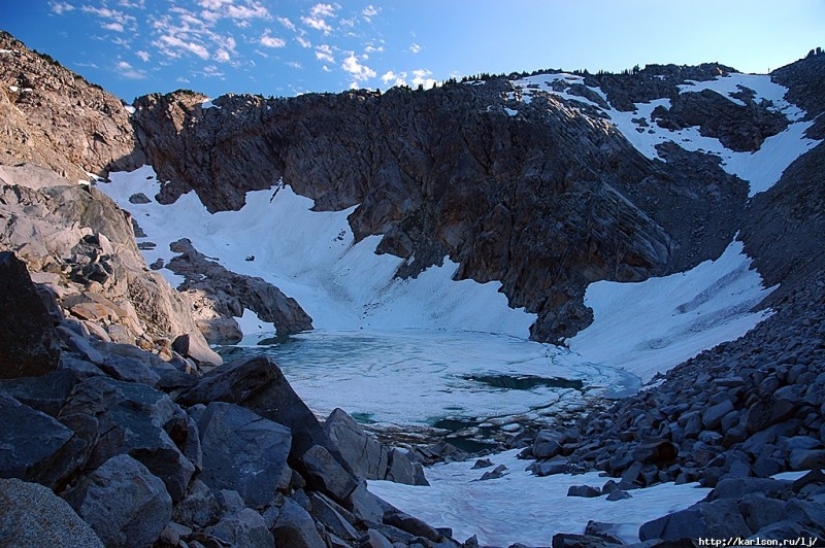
440, 379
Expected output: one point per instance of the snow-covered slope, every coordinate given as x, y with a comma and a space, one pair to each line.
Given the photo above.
312, 257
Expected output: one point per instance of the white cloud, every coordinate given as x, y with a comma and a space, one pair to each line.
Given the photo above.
392, 79
316, 17
127, 71
144, 55
113, 19
295, 65
173, 46
222, 56
252, 10
210, 71
286, 23
322, 10
324, 53
60, 7
373, 49
421, 77
137, 4
303, 42
271, 42
370, 12
415, 48
359, 72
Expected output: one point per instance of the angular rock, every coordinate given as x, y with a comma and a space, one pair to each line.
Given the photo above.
199, 506
242, 451
586, 491
366, 456
50, 459
569, 540
326, 474
333, 517
295, 528
131, 419
374, 539
123, 502
258, 384
32, 515
412, 525
717, 519
29, 346
243, 529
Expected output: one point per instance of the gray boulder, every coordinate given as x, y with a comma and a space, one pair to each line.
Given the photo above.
243, 451
717, 519
34, 516
123, 502
326, 474
131, 419
258, 384
367, 457
295, 528
47, 461
29, 345
243, 529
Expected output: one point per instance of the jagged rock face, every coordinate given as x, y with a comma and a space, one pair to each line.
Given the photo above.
652, 82
805, 80
740, 128
220, 295
538, 201
52, 117
78, 242
784, 229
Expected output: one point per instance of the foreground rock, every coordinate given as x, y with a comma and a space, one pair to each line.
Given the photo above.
149, 452
27, 336
33, 515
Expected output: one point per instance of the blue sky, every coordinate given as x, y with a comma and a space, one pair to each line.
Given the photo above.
135, 47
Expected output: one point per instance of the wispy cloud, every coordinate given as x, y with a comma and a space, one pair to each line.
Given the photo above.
414, 48
303, 42
117, 27
317, 17
126, 70
114, 20
287, 23
174, 46
271, 41
60, 7
369, 12
360, 72
143, 55
324, 53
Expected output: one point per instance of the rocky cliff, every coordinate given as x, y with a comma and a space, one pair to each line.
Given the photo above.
52, 117
546, 201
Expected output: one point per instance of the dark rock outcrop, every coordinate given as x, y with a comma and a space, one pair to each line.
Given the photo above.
28, 340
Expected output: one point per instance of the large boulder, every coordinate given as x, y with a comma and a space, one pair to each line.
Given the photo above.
244, 452
123, 502
718, 519
368, 458
33, 515
133, 419
51, 459
29, 345
258, 384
